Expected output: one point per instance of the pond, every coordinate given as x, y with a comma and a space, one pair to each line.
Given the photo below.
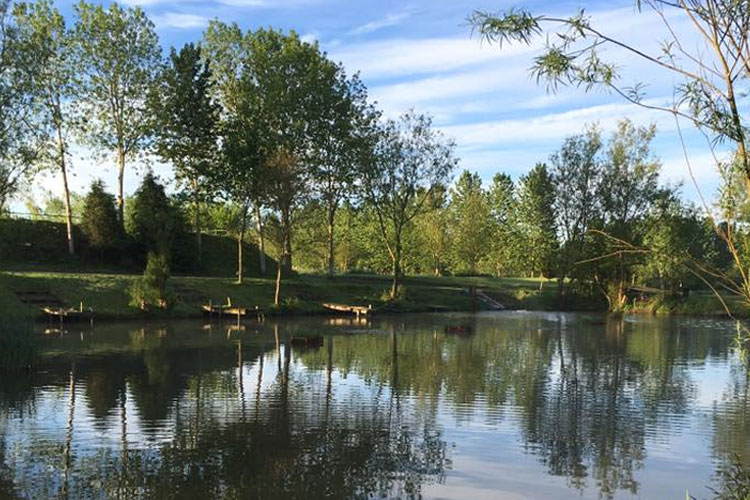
503, 405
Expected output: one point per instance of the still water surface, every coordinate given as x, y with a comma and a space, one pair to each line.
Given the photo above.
508, 406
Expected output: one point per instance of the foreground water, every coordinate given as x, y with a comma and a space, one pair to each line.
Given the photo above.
495, 405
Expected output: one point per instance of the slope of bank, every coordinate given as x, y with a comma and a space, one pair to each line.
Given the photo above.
108, 295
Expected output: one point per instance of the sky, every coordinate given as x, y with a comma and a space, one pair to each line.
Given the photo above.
421, 54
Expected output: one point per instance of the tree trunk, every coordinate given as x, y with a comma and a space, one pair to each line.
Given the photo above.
120, 182
240, 240
396, 267
286, 242
331, 230
277, 294
240, 236
261, 240
66, 192
196, 218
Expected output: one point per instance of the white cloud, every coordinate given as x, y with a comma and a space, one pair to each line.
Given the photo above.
179, 20
310, 37
386, 22
403, 57
555, 126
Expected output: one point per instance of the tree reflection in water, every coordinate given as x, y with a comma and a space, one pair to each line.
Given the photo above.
179, 412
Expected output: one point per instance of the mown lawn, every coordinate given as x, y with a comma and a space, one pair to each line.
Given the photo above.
108, 294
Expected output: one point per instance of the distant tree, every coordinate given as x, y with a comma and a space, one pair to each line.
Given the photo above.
120, 57
43, 35
99, 221
576, 174
151, 220
470, 219
504, 251
409, 162
187, 124
536, 219
434, 230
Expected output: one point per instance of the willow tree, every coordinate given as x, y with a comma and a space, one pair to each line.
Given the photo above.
409, 161
42, 34
120, 60
709, 61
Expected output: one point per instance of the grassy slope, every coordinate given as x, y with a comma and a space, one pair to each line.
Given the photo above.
108, 293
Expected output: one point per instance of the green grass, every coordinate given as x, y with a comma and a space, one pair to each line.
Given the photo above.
108, 295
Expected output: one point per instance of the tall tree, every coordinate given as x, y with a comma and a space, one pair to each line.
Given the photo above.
287, 191
186, 124
576, 174
470, 217
628, 190
410, 161
120, 58
343, 123
242, 177
43, 33
503, 227
19, 138
282, 80
226, 48
536, 218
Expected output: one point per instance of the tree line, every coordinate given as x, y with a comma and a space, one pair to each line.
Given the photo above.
259, 119
270, 139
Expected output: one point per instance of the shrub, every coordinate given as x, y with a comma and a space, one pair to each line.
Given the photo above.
151, 289
99, 219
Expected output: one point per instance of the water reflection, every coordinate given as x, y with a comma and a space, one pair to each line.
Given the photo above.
431, 405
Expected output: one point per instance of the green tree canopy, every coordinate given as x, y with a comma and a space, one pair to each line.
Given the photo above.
120, 58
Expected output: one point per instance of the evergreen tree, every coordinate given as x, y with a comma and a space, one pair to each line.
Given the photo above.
504, 252
536, 221
99, 221
151, 220
469, 216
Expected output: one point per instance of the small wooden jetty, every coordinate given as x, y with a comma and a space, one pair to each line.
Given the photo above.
69, 313
230, 310
357, 310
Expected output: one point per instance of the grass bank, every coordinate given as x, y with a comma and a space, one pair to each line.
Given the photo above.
108, 295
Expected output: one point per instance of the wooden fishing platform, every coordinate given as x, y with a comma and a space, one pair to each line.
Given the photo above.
69, 313
357, 310
230, 310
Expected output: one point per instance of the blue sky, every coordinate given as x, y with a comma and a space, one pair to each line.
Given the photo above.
420, 54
